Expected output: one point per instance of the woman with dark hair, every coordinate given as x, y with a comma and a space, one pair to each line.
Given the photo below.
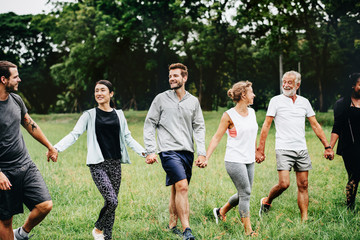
107, 137
347, 129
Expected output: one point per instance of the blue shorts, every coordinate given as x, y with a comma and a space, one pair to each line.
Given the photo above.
177, 165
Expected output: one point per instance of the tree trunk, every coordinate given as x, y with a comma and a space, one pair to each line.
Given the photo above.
200, 84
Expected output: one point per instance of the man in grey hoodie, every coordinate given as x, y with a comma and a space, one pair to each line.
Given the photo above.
178, 119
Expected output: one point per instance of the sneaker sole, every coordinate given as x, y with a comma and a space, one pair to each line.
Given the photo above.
216, 216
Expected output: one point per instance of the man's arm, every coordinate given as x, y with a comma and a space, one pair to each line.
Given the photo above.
260, 152
329, 153
36, 133
198, 125
151, 121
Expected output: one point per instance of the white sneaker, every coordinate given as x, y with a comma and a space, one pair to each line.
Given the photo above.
97, 236
17, 235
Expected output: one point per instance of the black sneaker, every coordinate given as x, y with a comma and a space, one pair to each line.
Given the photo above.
175, 231
264, 206
187, 234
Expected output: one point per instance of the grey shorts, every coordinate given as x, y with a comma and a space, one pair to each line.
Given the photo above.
297, 159
28, 187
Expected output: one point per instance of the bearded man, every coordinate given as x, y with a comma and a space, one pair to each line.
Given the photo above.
289, 112
20, 180
177, 117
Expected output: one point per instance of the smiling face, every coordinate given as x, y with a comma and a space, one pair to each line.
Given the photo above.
102, 94
176, 81
11, 83
289, 86
249, 96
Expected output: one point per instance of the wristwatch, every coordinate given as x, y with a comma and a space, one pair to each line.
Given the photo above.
328, 147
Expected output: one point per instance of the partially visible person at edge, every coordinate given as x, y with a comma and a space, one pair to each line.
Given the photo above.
347, 129
177, 117
107, 138
289, 111
20, 180
241, 127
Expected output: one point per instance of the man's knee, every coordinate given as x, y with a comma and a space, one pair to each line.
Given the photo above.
303, 185
45, 207
182, 186
284, 185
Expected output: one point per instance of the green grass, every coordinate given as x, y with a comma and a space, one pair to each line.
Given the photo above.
143, 208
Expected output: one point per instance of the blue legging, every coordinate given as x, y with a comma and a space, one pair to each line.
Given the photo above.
107, 178
242, 176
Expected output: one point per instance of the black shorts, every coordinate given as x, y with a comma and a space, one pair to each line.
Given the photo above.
28, 187
177, 165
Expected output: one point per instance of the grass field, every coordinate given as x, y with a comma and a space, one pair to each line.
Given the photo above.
142, 211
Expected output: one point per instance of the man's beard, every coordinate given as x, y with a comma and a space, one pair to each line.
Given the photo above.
178, 86
289, 93
10, 89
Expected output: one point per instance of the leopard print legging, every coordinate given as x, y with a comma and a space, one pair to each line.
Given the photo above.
107, 178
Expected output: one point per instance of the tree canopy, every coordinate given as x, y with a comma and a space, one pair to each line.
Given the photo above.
131, 43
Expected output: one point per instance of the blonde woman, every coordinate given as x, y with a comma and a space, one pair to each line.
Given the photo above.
241, 127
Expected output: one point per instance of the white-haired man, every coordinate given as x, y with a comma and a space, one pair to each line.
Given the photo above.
289, 111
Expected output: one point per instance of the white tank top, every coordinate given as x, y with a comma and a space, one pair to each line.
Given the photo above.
241, 139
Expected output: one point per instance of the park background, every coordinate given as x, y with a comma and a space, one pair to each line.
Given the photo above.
62, 53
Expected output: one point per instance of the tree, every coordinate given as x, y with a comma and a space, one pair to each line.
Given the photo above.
25, 42
308, 31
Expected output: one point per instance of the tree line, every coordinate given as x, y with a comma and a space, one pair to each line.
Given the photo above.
131, 43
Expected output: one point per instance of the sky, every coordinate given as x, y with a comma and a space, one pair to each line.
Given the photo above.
21, 7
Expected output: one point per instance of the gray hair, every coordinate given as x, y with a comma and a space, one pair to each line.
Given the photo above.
294, 73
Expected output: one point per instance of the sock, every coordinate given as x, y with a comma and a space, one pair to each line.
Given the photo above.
23, 233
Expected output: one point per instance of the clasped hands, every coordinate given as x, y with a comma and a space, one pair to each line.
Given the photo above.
52, 154
329, 154
151, 158
259, 156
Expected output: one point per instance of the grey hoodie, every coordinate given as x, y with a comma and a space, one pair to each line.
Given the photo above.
177, 123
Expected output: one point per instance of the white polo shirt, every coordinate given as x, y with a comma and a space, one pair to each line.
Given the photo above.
289, 121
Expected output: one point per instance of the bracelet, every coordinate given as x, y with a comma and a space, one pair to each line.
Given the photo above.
328, 147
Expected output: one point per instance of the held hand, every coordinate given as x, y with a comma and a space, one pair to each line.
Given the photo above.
4, 182
259, 156
151, 158
52, 154
201, 162
329, 154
